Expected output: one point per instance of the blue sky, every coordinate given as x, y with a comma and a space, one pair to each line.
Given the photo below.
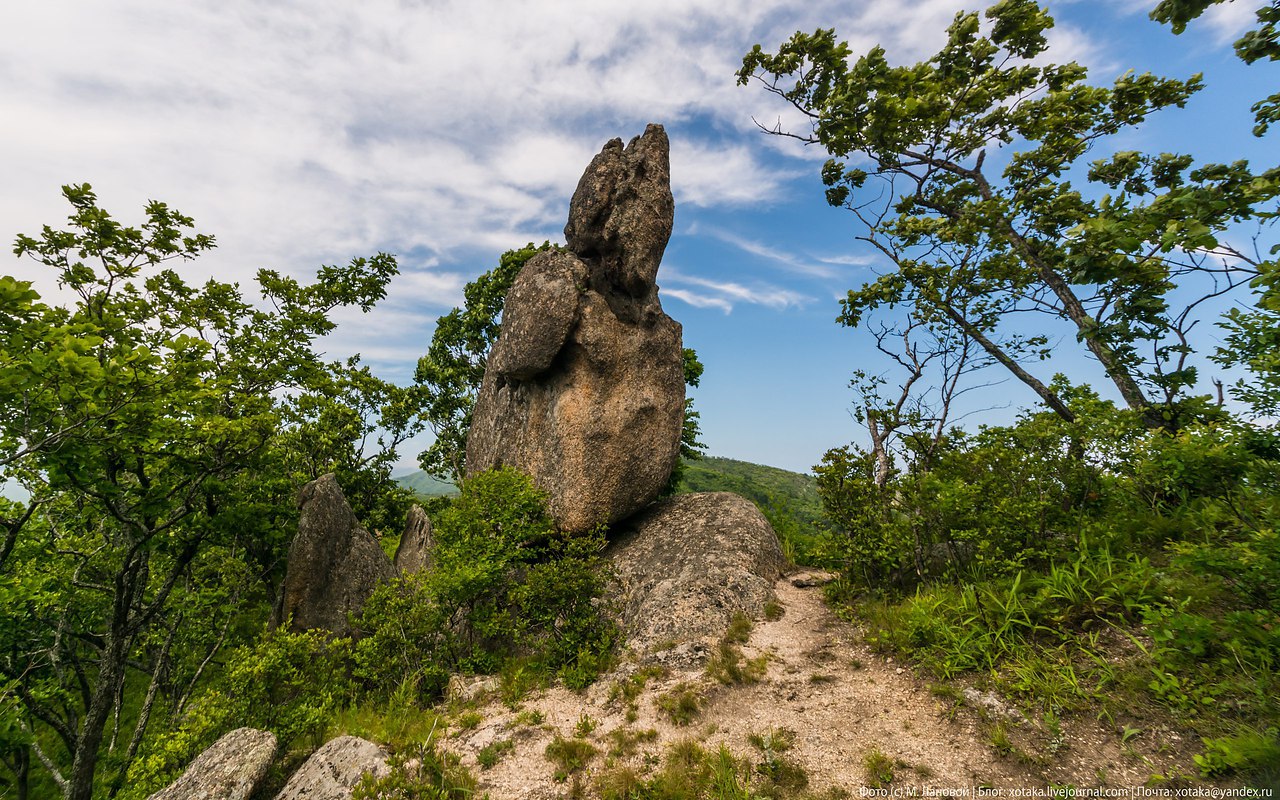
302, 133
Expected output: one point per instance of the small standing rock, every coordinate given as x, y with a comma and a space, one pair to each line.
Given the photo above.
334, 564
688, 564
416, 552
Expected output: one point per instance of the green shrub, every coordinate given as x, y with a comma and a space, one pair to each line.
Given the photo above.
1245, 753
292, 684
493, 752
682, 705
569, 755
509, 593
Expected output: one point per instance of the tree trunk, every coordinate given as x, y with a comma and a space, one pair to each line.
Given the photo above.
110, 674
1046, 394
879, 448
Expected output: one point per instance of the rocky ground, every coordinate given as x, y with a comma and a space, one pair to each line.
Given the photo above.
825, 690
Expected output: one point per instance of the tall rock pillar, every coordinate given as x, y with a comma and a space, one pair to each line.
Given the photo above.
584, 389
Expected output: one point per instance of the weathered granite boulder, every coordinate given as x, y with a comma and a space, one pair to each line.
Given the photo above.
416, 551
584, 389
230, 769
334, 564
686, 565
332, 772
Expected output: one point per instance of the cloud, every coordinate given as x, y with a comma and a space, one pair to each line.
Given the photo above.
699, 301
1228, 21
309, 132
786, 260
712, 174
725, 294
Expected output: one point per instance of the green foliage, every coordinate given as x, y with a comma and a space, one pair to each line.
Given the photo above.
1184, 623
508, 588
688, 773
624, 741
985, 505
682, 704
971, 247
146, 412
1243, 754
691, 447
569, 755
400, 722
420, 772
728, 665
877, 768
780, 775
1263, 42
292, 684
492, 753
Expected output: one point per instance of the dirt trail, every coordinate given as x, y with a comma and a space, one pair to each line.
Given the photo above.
842, 701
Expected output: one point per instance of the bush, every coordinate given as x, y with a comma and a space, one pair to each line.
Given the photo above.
292, 684
507, 586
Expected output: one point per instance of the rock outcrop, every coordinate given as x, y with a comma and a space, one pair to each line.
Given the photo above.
686, 565
416, 551
334, 563
230, 769
584, 389
332, 772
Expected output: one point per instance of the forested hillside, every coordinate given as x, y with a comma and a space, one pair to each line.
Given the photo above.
424, 485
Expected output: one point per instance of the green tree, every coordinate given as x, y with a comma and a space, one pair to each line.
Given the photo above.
453, 367
691, 446
978, 246
1263, 42
136, 416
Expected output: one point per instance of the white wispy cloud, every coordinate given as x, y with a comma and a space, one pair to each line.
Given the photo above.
308, 132
1229, 20
699, 301
724, 295
785, 259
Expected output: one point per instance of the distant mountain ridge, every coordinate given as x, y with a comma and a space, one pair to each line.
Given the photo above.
424, 485
756, 482
789, 499
765, 486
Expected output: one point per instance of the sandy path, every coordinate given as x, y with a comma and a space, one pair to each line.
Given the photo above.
841, 700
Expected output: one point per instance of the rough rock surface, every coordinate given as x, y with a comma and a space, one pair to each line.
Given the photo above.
416, 551
686, 565
584, 389
334, 770
230, 769
334, 563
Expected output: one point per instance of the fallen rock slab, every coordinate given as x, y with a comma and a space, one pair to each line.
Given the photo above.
333, 771
230, 769
687, 565
811, 578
